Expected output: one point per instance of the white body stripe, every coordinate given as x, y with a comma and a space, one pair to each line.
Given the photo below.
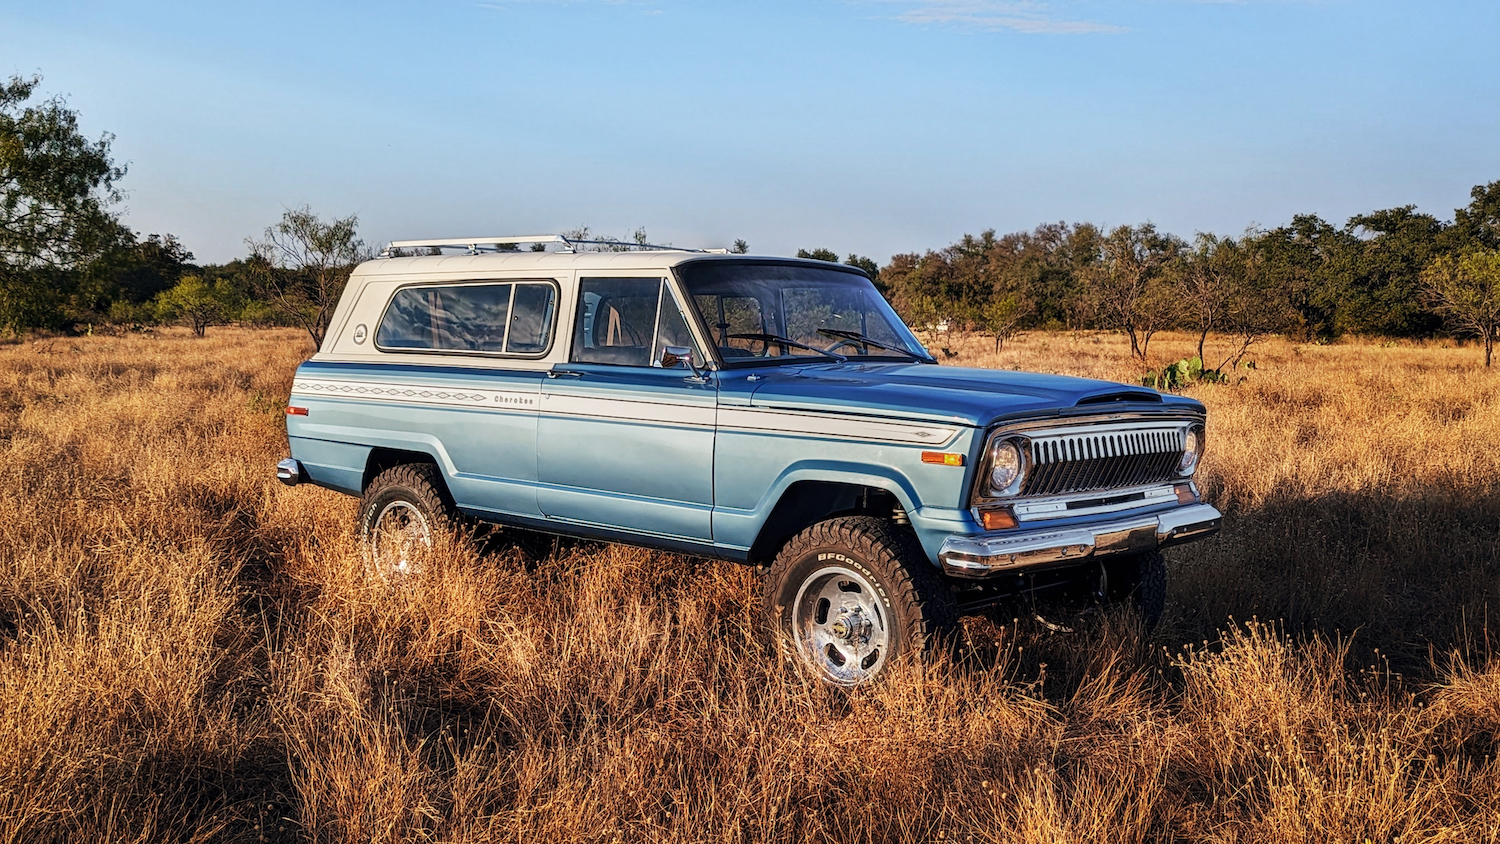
833, 426
453, 396
629, 410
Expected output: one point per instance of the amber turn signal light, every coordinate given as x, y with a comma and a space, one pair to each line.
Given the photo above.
296, 411
1000, 519
942, 458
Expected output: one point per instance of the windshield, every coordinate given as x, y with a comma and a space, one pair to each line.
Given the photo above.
751, 308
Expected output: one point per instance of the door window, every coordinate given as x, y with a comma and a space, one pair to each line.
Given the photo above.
627, 322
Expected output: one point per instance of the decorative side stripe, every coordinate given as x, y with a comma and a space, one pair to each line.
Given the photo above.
629, 410
829, 426
417, 394
833, 427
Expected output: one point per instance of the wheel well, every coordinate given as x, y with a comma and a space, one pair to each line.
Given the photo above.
806, 503
381, 459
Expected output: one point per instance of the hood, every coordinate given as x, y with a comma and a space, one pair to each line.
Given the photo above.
977, 397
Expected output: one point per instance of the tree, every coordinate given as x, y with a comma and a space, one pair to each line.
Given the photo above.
55, 190
196, 303
1133, 293
1478, 226
871, 268
828, 255
1214, 281
1465, 291
302, 265
1385, 297
740, 248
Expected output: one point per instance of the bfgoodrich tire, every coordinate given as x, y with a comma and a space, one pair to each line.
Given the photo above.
851, 595
403, 511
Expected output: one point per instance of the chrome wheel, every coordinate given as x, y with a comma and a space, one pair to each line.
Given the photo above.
841, 625
399, 539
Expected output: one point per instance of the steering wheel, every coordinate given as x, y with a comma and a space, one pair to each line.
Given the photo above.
845, 342
765, 345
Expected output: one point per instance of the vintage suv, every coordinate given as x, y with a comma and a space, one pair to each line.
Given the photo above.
763, 410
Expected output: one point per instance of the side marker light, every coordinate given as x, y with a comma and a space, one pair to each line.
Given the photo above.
942, 458
296, 411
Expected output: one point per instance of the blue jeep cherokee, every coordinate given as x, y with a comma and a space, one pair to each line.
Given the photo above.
764, 410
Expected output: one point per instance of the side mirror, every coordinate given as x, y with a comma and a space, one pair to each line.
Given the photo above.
676, 357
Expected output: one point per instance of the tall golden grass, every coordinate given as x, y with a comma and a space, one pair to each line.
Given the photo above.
191, 652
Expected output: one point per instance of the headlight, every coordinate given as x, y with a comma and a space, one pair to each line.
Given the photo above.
1005, 465
1192, 450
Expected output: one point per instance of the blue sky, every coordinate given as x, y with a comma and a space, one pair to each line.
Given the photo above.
869, 126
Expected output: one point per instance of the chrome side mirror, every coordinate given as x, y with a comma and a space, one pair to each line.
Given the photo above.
676, 357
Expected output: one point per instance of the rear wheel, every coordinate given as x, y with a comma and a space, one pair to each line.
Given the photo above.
850, 595
404, 509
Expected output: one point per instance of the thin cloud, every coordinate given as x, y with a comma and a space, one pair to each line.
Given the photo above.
1032, 18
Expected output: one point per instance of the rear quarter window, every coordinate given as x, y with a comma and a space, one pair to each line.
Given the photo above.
512, 318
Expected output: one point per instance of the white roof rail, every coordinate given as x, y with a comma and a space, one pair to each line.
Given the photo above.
476, 245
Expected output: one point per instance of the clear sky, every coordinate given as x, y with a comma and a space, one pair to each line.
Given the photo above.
869, 126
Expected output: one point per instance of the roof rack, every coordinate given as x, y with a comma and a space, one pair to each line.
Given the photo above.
477, 245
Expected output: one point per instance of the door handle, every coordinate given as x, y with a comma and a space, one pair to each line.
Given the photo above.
564, 373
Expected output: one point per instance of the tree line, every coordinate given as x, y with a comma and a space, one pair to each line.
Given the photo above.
67, 262
1392, 273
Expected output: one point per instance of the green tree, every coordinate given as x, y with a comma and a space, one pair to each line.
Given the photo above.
869, 266
1465, 291
1135, 293
1478, 226
740, 247
1385, 296
302, 265
196, 303
828, 255
56, 187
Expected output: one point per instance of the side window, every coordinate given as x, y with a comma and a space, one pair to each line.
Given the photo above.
495, 318
616, 320
672, 328
531, 319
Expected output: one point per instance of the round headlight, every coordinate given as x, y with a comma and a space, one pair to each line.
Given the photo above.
1192, 450
1005, 465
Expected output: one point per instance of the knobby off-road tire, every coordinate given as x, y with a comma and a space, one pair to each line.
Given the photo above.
850, 595
403, 512
1142, 580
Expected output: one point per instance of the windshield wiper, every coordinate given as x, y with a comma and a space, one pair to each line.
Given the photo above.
860, 338
784, 341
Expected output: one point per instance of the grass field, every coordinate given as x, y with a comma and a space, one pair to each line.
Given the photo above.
191, 652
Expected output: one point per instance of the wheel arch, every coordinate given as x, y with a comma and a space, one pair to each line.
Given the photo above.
382, 458
806, 501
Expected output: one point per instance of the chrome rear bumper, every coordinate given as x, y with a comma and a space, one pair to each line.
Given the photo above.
982, 556
289, 472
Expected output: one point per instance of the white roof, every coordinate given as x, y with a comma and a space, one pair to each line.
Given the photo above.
494, 261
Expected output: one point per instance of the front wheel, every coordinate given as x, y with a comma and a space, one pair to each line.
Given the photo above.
850, 595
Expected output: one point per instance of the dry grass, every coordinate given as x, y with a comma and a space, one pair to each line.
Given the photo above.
189, 651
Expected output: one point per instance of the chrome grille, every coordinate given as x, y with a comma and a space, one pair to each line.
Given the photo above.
1083, 462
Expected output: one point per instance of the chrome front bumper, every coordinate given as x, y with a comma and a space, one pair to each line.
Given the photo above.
982, 556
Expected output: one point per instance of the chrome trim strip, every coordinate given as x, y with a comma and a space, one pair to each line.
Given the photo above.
982, 556
1056, 507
